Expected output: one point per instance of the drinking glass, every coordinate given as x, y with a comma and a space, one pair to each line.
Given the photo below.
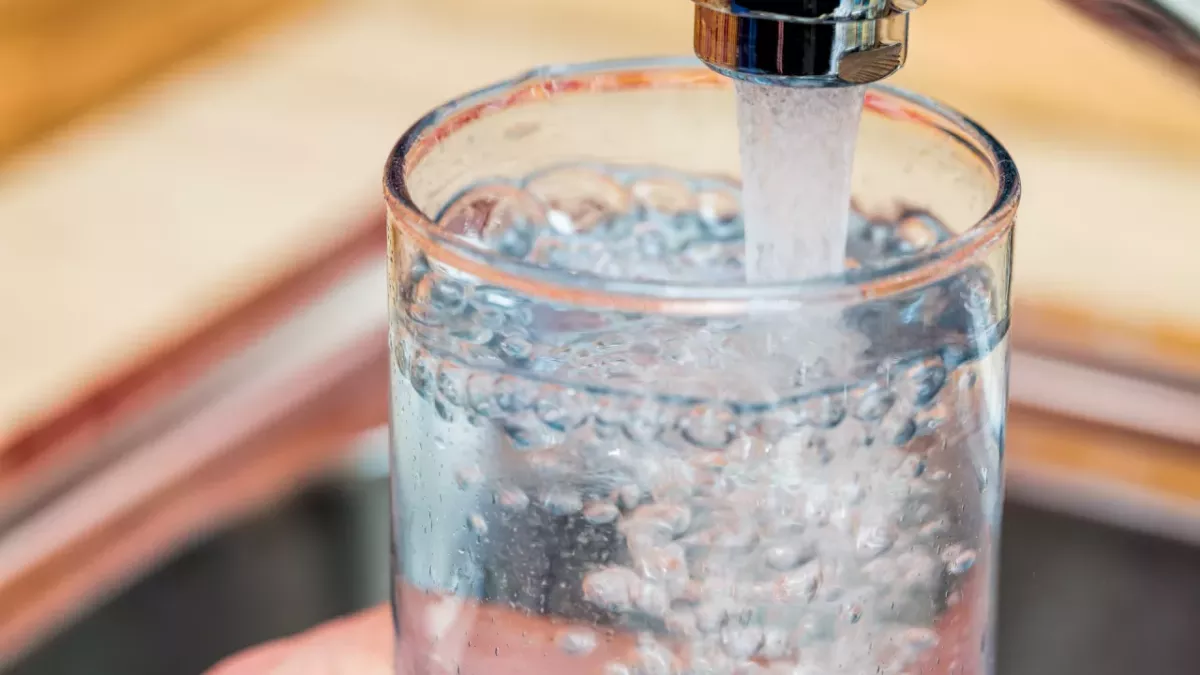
612, 454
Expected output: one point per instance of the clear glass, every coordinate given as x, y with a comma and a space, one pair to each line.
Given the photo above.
611, 454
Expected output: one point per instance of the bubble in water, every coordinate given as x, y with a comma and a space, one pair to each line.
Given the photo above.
481, 395
676, 517
516, 350
512, 499
959, 560
709, 427
875, 402
448, 296
653, 599
784, 557
742, 642
600, 513
918, 639
468, 476
612, 588
777, 644
563, 502
423, 374
577, 641
874, 540
628, 496
664, 195
800, 585
565, 412
929, 378
827, 411
656, 659
666, 565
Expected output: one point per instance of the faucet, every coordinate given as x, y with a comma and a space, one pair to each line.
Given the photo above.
830, 43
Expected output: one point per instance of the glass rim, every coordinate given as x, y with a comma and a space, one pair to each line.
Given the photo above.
911, 272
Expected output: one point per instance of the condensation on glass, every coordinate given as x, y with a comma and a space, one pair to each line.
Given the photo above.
612, 455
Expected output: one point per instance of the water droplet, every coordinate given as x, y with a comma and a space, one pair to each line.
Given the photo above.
601, 513
917, 639
468, 476
478, 524
611, 588
563, 502
512, 499
618, 669
852, 612
577, 641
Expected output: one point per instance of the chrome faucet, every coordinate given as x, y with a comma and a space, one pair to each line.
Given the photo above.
829, 43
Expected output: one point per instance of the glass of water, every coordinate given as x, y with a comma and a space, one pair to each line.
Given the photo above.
612, 454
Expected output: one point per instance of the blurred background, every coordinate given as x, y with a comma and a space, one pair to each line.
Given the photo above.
192, 351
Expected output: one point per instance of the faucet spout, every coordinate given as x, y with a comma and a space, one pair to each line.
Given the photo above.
804, 43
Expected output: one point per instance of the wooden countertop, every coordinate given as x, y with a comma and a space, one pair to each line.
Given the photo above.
139, 224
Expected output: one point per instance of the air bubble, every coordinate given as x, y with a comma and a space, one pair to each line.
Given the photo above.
600, 513
874, 540
876, 401
612, 588
709, 427
448, 296
516, 350
742, 642
628, 496
676, 517
784, 557
959, 562
655, 659
929, 378
512, 499
563, 502
577, 641
800, 585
